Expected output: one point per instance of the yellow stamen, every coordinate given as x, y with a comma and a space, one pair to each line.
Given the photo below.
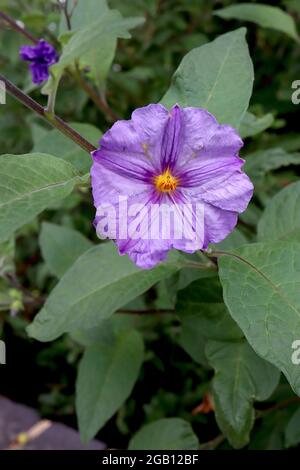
165, 182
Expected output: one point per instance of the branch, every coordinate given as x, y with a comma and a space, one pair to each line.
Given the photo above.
64, 7
278, 406
101, 104
213, 443
54, 120
146, 312
18, 28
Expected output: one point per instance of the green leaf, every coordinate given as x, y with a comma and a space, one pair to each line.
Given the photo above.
7, 257
234, 240
240, 378
263, 161
61, 246
84, 14
55, 143
106, 376
252, 125
217, 76
107, 329
261, 288
28, 185
97, 60
203, 312
292, 430
98, 283
270, 432
203, 316
264, 15
165, 434
84, 43
281, 218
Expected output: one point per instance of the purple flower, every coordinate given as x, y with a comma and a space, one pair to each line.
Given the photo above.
41, 56
181, 160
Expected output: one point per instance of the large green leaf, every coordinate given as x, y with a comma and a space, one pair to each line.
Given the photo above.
263, 161
98, 283
203, 314
233, 240
269, 435
61, 246
252, 125
28, 185
7, 257
106, 376
261, 287
217, 76
97, 60
240, 378
165, 434
92, 44
281, 218
84, 13
264, 15
55, 143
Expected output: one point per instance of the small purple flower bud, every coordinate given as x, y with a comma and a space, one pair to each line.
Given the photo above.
41, 57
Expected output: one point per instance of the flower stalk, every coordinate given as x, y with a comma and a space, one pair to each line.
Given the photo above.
53, 119
14, 25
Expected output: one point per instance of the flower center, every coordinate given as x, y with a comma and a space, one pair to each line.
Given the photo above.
165, 182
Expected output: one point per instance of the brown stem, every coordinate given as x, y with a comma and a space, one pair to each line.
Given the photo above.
101, 104
277, 406
213, 443
67, 16
54, 120
146, 312
18, 28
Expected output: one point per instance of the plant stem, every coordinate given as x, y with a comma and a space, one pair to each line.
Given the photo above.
18, 28
101, 104
210, 445
50, 108
146, 312
278, 406
205, 266
67, 16
54, 120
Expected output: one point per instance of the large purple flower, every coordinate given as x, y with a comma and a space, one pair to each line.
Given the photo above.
180, 160
41, 56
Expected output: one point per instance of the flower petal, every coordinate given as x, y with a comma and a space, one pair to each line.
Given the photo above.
129, 166
204, 171
139, 137
172, 139
167, 225
28, 52
226, 187
203, 137
39, 73
217, 224
108, 185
